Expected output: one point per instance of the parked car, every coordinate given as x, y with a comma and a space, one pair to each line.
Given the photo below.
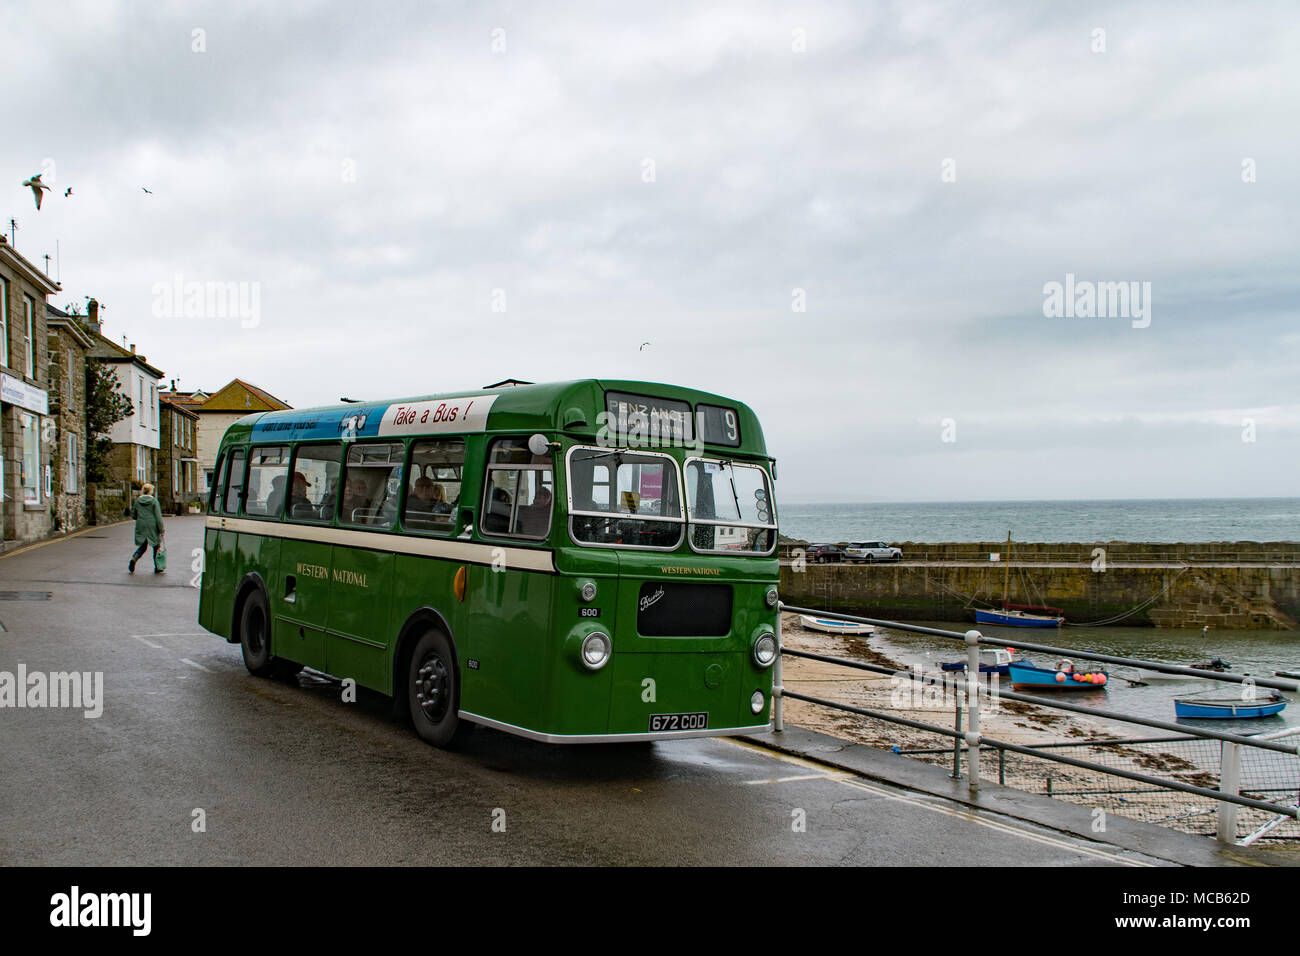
869, 551
825, 554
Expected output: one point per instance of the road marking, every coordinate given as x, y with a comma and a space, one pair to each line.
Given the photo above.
186, 660
176, 634
156, 647
996, 825
806, 776
849, 780
66, 537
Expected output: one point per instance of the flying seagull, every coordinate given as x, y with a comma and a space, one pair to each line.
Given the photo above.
149, 191
67, 192
643, 346
36, 187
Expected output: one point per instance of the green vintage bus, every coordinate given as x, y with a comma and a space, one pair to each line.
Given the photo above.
579, 562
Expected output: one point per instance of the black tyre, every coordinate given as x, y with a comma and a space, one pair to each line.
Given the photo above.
255, 636
870, 559
433, 692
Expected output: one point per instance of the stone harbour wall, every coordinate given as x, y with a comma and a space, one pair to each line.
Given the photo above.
1185, 595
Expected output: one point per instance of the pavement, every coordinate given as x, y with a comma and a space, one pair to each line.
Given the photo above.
195, 761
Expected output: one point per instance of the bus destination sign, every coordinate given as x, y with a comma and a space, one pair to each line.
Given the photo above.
642, 418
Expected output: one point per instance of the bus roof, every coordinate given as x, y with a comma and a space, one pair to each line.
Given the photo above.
571, 407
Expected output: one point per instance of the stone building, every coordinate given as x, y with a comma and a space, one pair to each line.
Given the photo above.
136, 438
216, 412
70, 341
178, 481
26, 431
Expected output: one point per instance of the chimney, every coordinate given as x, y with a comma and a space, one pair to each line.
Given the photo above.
132, 348
92, 314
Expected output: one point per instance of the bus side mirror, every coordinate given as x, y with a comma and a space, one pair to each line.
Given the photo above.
539, 446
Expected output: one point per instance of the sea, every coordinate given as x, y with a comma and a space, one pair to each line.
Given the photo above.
1141, 519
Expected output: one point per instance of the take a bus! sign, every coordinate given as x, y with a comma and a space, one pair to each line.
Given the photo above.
467, 413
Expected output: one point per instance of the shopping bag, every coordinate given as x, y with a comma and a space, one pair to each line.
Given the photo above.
160, 559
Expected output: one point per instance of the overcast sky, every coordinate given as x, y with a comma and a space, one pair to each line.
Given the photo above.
685, 174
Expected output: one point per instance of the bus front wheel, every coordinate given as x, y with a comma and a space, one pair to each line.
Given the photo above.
433, 692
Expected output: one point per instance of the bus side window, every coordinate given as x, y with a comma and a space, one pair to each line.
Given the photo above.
434, 490
518, 491
214, 493
372, 483
235, 487
314, 480
268, 472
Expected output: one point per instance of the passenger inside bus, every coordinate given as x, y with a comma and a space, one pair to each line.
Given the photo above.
534, 519
300, 505
427, 506
354, 499
275, 500
498, 517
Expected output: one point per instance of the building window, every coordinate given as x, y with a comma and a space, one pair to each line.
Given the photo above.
139, 462
72, 464
30, 475
29, 310
139, 408
71, 378
153, 406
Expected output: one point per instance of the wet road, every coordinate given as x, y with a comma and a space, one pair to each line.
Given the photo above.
285, 772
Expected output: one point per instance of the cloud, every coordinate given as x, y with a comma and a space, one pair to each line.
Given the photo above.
381, 170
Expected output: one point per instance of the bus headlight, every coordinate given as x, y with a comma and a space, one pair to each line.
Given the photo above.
765, 649
596, 648
771, 597
757, 701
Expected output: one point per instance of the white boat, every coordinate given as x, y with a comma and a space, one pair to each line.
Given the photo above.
829, 626
1147, 676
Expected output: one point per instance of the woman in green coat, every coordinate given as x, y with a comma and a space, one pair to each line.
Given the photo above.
148, 527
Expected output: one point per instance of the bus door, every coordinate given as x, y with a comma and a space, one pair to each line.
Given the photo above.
207, 581
359, 634
222, 570
301, 605
509, 625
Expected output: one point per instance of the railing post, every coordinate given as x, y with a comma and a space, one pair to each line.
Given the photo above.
778, 719
973, 705
1229, 782
956, 741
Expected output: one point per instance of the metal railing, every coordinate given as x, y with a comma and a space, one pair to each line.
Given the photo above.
1083, 555
1272, 760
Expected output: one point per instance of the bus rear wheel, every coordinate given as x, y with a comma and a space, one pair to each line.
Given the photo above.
433, 692
255, 636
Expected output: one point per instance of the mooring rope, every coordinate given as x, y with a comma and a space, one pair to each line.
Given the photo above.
1129, 613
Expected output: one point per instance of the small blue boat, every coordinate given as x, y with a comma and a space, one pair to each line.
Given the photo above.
1229, 708
993, 660
1016, 618
1026, 676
